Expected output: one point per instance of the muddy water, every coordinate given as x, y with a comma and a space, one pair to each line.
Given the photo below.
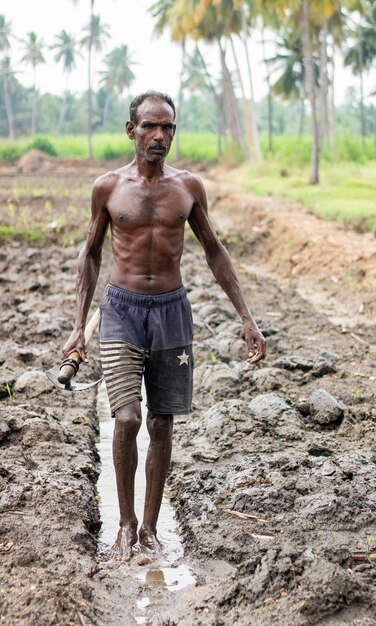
168, 571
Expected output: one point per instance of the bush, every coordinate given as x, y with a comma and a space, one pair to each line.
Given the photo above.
110, 153
10, 153
43, 144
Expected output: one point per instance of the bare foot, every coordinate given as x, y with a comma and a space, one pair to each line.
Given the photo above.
148, 539
122, 548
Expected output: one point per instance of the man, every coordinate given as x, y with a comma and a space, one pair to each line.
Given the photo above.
146, 320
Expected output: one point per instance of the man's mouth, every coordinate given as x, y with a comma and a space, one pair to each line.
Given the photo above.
157, 148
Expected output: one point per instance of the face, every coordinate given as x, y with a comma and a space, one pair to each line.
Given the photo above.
154, 131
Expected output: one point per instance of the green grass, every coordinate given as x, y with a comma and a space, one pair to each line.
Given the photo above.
33, 236
346, 191
289, 150
107, 146
296, 151
347, 173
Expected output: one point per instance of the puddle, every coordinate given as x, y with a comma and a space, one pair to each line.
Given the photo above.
167, 571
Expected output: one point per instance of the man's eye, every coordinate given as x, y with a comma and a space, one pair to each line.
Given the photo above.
167, 127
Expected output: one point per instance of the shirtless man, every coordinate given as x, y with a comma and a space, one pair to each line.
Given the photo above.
146, 320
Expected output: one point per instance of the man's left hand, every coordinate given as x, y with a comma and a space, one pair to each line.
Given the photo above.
255, 342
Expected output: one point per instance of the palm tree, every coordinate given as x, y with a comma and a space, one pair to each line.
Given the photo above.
289, 66
5, 35
304, 15
117, 74
362, 52
163, 12
96, 34
66, 51
33, 56
208, 20
196, 77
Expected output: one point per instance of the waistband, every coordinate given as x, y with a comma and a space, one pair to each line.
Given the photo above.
145, 300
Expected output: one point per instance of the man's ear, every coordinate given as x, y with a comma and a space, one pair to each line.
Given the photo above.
173, 130
129, 129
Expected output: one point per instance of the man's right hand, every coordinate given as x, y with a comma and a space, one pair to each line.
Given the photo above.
76, 343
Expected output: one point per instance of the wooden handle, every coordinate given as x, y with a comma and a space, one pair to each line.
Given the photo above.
69, 370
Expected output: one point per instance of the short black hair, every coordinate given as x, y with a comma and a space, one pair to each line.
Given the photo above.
151, 95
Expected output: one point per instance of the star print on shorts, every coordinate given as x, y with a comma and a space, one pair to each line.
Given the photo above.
183, 358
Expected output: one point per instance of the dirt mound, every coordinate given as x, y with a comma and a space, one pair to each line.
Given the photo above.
331, 265
33, 161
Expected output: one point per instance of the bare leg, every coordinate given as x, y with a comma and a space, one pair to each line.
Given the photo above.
124, 448
157, 464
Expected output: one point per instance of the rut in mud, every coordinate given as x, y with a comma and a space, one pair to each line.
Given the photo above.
273, 475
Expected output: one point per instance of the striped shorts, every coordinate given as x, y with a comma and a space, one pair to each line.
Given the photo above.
147, 336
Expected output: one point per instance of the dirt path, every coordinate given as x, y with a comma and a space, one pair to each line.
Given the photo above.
273, 474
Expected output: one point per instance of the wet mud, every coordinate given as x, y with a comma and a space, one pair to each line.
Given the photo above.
273, 475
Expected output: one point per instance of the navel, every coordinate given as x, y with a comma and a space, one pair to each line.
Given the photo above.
122, 217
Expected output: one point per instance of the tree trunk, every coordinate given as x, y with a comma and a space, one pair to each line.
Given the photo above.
302, 116
248, 143
324, 82
63, 108
106, 108
180, 102
230, 103
34, 106
269, 96
89, 91
8, 107
218, 101
361, 102
255, 133
332, 117
310, 90
60, 121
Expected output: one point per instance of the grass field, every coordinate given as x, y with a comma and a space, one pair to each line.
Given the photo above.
346, 191
194, 146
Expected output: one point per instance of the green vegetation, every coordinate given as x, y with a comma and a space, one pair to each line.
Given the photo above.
346, 192
296, 151
107, 146
33, 236
196, 146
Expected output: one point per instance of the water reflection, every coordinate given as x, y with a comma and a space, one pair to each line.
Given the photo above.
166, 571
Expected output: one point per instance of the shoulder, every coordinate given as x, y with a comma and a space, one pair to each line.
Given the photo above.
104, 185
190, 181
106, 182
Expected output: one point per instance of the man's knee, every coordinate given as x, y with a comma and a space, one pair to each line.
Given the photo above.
128, 418
159, 426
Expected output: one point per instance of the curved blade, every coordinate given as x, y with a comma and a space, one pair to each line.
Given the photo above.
72, 385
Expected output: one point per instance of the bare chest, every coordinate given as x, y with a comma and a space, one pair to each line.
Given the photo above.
132, 207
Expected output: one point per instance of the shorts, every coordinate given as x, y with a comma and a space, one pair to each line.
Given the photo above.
150, 336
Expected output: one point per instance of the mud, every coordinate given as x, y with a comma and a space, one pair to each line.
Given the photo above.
273, 475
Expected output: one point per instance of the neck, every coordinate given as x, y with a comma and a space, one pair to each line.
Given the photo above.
148, 169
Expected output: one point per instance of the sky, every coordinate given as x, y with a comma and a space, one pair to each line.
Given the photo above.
129, 22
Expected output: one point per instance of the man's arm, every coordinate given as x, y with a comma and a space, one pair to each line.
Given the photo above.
223, 270
89, 262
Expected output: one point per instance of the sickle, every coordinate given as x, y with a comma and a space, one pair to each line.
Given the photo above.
62, 377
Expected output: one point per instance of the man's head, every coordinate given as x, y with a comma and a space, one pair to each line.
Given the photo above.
148, 95
151, 125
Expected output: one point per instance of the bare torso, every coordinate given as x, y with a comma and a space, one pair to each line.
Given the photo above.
147, 220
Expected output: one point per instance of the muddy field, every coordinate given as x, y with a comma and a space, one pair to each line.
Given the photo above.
273, 476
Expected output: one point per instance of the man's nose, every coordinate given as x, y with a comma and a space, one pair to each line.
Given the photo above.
158, 133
